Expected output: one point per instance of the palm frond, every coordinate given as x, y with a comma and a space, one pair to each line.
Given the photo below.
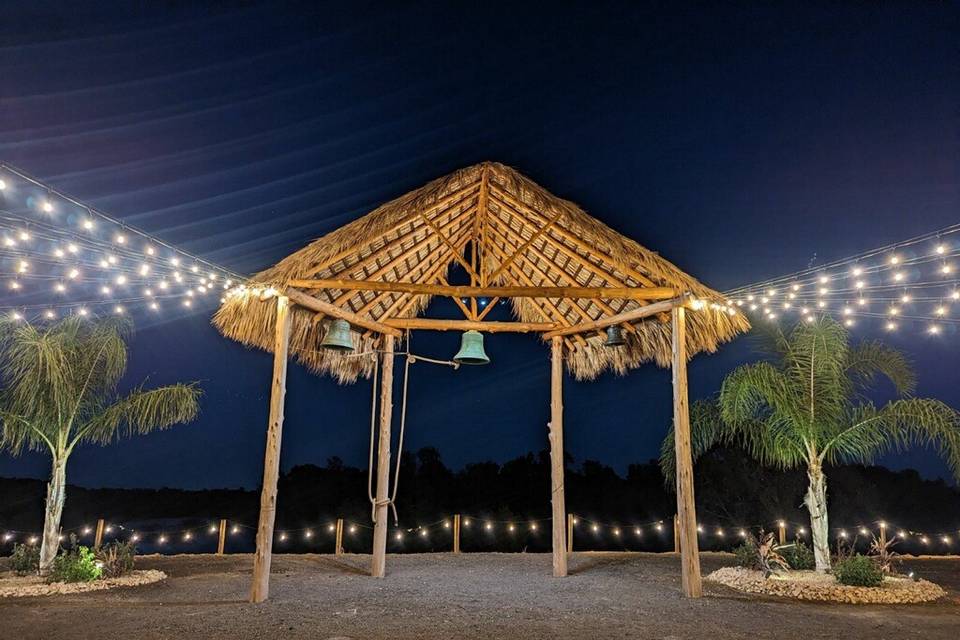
707, 429
867, 360
142, 412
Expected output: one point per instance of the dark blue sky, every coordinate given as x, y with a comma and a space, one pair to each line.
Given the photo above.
740, 144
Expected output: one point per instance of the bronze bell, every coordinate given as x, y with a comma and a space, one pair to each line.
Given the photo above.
614, 337
471, 349
338, 336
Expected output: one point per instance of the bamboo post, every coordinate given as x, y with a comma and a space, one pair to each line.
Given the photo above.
338, 540
676, 534
456, 533
378, 568
222, 542
98, 537
782, 532
570, 533
260, 588
556, 457
686, 507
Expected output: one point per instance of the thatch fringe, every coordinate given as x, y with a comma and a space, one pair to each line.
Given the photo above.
378, 242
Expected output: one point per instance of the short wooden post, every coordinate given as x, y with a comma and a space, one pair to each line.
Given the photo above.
883, 535
686, 506
556, 457
570, 519
260, 587
676, 534
98, 537
456, 533
782, 532
338, 539
379, 565
222, 542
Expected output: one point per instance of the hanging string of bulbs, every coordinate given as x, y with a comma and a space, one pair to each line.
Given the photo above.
914, 280
54, 246
490, 527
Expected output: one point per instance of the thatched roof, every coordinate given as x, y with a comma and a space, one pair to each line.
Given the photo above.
493, 207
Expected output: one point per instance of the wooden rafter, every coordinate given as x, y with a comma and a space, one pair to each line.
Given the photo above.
439, 204
328, 309
436, 324
523, 247
628, 316
456, 255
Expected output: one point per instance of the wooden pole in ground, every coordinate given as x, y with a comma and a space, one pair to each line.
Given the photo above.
686, 509
260, 588
456, 533
379, 565
570, 519
782, 532
222, 542
883, 535
556, 457
676, 534
98, 537
338, 539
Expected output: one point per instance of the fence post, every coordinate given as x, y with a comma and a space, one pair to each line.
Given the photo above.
676, 534
782, 531
883, 535
456, 533
570, 519
98, 538
339, 541
221, 543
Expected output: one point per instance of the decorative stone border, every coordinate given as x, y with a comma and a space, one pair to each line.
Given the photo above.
810, 585
13, 586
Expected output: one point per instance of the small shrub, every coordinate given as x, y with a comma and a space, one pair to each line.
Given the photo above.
746, 555
799, 556
116, 558
858, 571
77, 565
25, 559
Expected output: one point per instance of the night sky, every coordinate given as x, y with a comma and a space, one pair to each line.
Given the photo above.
740, 144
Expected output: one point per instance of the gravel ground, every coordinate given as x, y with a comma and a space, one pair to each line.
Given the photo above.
607, 595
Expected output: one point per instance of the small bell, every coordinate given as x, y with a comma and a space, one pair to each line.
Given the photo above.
471, 349
614, 337
338, 336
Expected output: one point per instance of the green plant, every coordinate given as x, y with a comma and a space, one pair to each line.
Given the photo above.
59, 383
858, 571
798, 555
882, 552
116, 558
25, 559
805, 407
768, 558
76, 565
746, 554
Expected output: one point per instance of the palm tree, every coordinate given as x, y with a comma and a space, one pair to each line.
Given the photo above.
59, 390
806, 407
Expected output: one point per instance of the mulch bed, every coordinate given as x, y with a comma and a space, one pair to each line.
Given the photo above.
14, 586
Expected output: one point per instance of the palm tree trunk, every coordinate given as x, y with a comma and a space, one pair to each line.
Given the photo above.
56, 494
816, 501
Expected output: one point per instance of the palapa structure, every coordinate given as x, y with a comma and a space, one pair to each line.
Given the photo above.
568, 276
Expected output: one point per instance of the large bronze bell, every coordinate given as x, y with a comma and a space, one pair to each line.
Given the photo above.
614, 337
471, 349
338, 336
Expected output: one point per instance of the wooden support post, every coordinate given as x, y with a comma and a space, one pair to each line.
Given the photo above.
260, 588
456, 533
338, 539
570, 519
379, 566
782, 532
676, 534
222, 542
686, 508
98, 537
883, 535
556, 457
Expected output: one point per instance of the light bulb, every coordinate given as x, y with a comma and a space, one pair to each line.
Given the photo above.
120, 239
941, 249
88, 224
121, 280
47, 206
894, 260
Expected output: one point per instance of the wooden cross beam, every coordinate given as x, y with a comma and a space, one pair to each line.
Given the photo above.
626, 316
628, 293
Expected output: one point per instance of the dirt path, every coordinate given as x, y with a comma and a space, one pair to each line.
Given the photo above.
608, 595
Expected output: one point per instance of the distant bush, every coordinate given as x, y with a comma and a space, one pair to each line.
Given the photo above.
746, 555
116, 558
858, 571
25, 559
77, 565
799, 556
